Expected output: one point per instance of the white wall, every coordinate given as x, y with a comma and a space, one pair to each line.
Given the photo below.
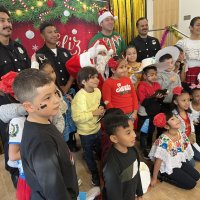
150, 15
186, 7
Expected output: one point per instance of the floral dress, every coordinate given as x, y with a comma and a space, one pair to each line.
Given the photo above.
171, 153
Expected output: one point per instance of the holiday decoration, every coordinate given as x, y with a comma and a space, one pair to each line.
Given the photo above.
30, 34
48, 10
39, 3
66, 13
74, 31
169, 29
50, 3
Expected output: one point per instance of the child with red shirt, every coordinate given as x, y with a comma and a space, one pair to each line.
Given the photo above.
181, 108
118, 89
150, 97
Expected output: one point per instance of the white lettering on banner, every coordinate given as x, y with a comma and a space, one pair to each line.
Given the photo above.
70, 43
123, 88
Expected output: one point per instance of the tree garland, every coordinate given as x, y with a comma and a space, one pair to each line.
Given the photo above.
48, 10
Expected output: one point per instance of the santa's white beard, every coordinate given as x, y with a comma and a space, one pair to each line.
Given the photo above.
101, 65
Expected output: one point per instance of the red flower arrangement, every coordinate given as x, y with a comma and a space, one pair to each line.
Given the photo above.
177, 90
112, 63
160, 120
7, 81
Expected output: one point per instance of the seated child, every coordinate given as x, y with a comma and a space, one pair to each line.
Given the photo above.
167, 78
181, 108
48, 164
195, 108
134, 68
118, 90
121, 171
170, 153
86, 110
149, 100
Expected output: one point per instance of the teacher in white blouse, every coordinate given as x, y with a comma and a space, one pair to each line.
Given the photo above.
191, 48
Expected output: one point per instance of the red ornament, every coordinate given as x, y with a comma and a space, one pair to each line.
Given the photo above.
50, 3
160, 120
177, 90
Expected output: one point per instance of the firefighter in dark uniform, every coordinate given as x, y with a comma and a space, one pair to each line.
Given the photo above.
13, 57
56, 55
146, 46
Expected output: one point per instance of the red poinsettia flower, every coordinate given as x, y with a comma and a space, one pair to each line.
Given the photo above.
112, 63
7, 81
177, 90
160, 120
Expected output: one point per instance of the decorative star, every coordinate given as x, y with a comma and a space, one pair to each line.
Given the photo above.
35, 47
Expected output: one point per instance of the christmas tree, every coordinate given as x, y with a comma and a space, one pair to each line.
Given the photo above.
37, 11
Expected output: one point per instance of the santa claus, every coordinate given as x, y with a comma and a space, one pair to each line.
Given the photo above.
97, 56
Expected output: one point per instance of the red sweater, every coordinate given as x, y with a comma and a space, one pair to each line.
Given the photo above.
121, 94
145, 90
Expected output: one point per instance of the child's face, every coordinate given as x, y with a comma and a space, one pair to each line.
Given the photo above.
92, 83
151, 76
174, 123
125, 137
121, 70
46, 102
183, 101
170, 64
48, 69
131, 55
196, 96
181, 56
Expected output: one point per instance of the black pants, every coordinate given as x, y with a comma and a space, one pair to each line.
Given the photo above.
197, 132
185, 177
165, 107
146, 138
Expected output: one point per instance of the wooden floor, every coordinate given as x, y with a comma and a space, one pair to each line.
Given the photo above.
162, 191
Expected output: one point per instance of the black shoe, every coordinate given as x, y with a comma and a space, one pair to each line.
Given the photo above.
145, 154
14, 179
95, 180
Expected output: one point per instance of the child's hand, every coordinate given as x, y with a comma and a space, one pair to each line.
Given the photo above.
99, 111
159, 96
173, 79
153, 182
69, 97
134, 115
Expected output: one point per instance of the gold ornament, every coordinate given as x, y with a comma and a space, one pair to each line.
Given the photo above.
39, 3
18, 12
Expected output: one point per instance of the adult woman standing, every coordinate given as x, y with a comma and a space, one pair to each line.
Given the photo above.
191, 48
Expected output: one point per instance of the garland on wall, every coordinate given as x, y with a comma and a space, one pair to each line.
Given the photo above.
169, 29
46, 10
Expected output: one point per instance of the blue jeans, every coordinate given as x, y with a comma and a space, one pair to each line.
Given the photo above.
89, 144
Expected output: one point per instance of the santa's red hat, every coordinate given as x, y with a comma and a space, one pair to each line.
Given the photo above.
103, 14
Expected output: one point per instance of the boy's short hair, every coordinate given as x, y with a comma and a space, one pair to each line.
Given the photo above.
85, 74
113, 121
4, 10
26, 83
146, 69
44, 25
165, 57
